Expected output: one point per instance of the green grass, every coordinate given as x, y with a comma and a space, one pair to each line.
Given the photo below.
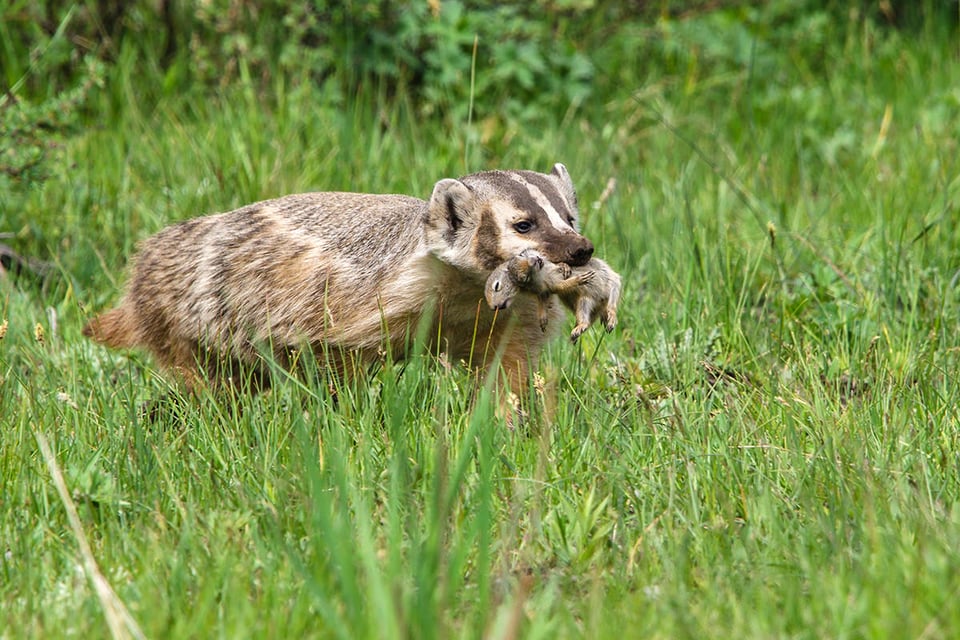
767, 446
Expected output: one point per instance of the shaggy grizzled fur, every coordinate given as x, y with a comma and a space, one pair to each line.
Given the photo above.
346, 273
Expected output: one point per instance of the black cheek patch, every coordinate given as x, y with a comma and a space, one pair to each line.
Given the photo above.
488, 241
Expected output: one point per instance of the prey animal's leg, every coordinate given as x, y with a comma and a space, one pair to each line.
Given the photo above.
609, 317
610, 308
583, 315
544, 305
570, 284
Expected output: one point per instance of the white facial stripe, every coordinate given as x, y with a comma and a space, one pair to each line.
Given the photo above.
552, 215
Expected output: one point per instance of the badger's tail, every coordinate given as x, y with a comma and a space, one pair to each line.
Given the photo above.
115, 328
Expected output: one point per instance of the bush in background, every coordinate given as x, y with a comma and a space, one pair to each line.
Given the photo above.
532, 60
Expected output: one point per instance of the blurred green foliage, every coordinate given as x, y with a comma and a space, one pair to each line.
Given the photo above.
540, 53
500, 64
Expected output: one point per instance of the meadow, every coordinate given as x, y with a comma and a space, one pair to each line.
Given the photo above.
767, 446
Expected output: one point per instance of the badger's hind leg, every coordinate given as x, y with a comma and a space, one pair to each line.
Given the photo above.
184, 358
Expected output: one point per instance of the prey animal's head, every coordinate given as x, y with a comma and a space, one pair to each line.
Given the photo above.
506, 280
500, 288
482, 220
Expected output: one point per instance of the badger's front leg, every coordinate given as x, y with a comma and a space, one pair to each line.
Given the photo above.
520, 343
514, 380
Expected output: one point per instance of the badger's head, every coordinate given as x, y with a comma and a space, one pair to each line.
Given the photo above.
484, 219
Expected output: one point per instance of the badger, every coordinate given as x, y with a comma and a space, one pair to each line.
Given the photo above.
350, 276
591, 291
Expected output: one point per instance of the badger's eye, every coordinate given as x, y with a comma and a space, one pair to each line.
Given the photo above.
523, 226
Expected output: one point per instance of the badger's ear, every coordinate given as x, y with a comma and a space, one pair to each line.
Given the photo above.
451, 208
566, 184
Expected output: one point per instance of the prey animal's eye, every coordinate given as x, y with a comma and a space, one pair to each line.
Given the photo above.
523, 226
496, 285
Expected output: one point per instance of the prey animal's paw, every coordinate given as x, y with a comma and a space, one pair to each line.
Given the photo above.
585, 277
610, 320
578, 331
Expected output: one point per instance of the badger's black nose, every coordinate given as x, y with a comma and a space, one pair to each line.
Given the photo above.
581, 255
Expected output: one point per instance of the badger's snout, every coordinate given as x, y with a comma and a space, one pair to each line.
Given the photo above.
570, 248
581, 253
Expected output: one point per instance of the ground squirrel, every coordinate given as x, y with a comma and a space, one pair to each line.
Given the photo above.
590, 291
